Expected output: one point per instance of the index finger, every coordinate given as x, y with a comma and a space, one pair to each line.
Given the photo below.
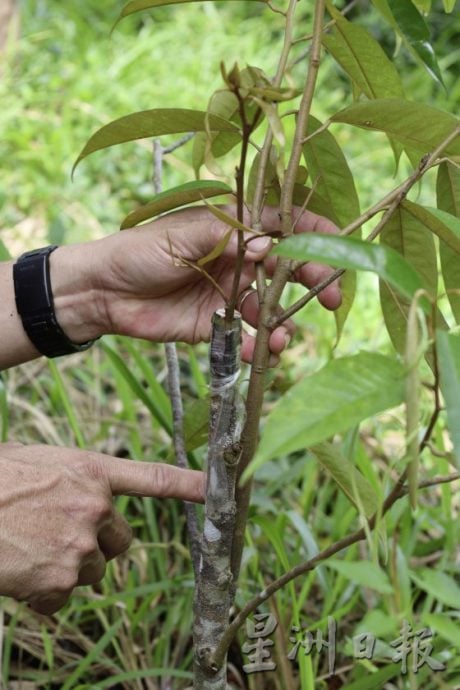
156, 479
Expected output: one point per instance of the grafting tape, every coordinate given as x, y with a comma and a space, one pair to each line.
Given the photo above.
225, 351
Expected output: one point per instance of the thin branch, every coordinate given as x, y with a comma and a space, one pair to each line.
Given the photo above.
259, 192
177, 144
396, 493
399, 491
270, 299
390, 202
300, 303
327, 26
179, 447
240, 178
174, 385
157, 166
448, 479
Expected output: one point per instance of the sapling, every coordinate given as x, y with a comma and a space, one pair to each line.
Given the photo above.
249, 112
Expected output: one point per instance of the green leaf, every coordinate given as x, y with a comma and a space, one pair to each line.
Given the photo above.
448, 199
362, 58
174, 198
217, 250
442, 224
417, 125
375, 679
354, 485
330, 401
362, 573
274, 95
439, 585
407, 236
153, 123
316, 202
93, 654
449, 5
416, 33
228, 219
384, 9
272, 190
350, 252
196, 423
328, 166
152, 402
448, 346
224, 104
348, 292
271, 182
423, 5
444, 626
140, 5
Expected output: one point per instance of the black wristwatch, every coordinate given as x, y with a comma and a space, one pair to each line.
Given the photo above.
35, 305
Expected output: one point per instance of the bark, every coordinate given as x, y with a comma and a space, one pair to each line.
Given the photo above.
214, 588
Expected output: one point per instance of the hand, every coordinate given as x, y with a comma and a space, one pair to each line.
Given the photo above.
143, 292
58, 527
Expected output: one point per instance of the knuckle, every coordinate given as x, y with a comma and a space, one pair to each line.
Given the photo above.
85, 546
163, 479
64, 582
100, 508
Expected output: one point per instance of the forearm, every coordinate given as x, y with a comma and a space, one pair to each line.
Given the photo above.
75, 292
15, 346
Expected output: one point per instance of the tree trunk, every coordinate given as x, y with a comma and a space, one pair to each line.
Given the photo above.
215, 588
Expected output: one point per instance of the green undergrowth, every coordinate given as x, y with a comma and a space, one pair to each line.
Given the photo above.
66, 76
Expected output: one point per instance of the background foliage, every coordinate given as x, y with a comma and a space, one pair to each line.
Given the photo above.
65, 77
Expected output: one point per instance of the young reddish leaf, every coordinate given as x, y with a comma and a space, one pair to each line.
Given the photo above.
175, 198
448, 199
416, 125
153, 123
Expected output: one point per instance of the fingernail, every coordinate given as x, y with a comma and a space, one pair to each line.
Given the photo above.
259, 244
287, 339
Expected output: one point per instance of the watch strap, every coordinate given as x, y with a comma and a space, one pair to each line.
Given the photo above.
35, 305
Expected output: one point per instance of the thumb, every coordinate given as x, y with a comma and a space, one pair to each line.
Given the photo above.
257, 246
131, 478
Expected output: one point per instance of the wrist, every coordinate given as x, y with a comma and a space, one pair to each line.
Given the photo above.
78, 302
